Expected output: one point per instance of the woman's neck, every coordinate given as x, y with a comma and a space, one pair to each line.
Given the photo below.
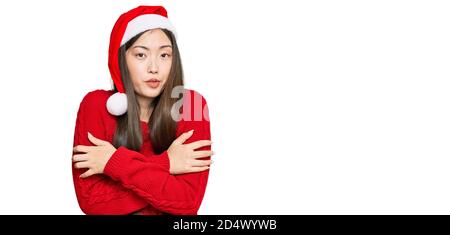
145, 114
145, 109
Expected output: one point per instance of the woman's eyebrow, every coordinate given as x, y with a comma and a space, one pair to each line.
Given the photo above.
146, 48
163, 46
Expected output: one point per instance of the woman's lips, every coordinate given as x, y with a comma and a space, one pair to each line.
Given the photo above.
153, 83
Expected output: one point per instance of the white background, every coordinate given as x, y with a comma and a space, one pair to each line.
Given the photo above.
317, 107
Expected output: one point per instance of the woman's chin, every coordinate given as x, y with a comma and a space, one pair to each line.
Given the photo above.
152, 92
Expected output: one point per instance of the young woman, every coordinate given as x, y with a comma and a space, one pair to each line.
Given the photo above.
143, 147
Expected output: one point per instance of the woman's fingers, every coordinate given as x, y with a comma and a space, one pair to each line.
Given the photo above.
87, 173
198, 169
183, 137
200, 154
199, 144
82, 149
80, 157
79, 165
198, 163
96, 141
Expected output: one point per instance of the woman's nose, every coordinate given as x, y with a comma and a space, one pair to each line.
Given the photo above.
152, 67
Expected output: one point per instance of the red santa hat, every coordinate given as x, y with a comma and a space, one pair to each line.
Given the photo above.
128, 25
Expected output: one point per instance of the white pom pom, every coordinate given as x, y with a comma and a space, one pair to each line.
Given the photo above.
117, 104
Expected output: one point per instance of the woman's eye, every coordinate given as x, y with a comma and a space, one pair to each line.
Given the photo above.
140, 55
165, 55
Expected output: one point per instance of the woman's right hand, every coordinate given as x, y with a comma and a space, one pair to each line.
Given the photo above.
183, 157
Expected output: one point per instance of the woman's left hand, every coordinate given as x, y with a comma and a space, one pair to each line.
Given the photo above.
95, 157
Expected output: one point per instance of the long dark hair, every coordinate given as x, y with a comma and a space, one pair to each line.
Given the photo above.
161, 124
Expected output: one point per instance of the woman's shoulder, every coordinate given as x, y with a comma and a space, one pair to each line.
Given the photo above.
95, 101
97, 96
195, 107
194, 95
101, 96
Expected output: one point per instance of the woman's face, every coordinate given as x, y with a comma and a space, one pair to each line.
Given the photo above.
149, 60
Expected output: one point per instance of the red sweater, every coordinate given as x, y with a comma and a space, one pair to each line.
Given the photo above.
138, 181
